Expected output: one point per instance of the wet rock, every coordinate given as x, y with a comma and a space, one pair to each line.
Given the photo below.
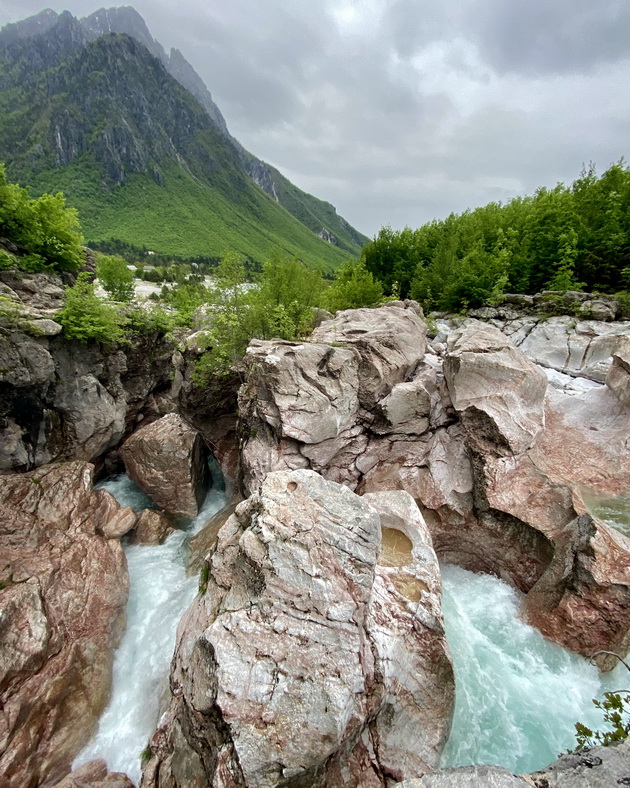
118, 520
151, 528
498, 393
618, 378
63, 590
316, 655
582, 601
167, 459
95, 775
389, 341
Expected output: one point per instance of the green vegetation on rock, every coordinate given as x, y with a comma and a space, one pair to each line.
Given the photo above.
46, 233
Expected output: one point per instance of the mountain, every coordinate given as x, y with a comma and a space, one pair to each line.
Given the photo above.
98, 109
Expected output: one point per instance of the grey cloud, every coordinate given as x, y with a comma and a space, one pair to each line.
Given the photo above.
509, 95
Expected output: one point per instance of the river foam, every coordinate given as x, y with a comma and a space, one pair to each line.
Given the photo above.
160, 593
518, 696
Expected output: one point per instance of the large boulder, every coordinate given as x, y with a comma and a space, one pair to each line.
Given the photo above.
63, 590
316, 655
389, 341
498, 393
168, 460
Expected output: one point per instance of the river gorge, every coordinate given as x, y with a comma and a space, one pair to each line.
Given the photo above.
391, 557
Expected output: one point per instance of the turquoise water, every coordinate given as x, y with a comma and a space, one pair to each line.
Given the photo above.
160, 592
612, 510
517, 695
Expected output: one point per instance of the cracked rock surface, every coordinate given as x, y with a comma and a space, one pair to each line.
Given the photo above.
316, 655
64, 589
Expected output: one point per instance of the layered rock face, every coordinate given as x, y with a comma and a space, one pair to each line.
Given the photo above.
63, 400
316, 655
63, 592
495, 457
168, 460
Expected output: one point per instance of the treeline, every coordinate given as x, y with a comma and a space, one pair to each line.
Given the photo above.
566, 238
141, 255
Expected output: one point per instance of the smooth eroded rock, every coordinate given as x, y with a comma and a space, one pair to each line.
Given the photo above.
313, 657
390, 342
167, 459
497, 391
63, 591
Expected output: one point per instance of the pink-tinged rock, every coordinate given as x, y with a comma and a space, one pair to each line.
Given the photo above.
63, 593
295, 663
118, 520
151, 528
618, 378
583, 599
497, 391
414, 721
390, 342
306, 392
95, 775
167, 459
585, 442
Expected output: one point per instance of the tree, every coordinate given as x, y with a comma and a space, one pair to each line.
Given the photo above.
86, 318
115, 276
354, 287
48, 232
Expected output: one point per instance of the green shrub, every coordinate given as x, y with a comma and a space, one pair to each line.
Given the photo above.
86, 317
354, 287
44, 227
116, 278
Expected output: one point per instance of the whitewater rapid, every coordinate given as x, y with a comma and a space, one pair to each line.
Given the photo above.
518, 696
160, 592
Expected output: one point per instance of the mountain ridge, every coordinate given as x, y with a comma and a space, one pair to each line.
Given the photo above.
33, 69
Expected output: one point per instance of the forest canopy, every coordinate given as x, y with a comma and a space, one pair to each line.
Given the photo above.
566, 238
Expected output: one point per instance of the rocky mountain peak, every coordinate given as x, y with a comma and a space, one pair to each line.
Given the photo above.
34, 25
124, 19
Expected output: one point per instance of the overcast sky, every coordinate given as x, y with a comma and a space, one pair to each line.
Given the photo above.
400, 111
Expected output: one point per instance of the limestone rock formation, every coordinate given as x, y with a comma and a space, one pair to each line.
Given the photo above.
316, 655
528, 500
315, 405
389, 341
575, 347
167, 459
497, 391
618, 378
63, 590
497, 459
151, 528
596, 767
64, 400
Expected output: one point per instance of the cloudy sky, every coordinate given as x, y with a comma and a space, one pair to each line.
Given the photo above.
399, 111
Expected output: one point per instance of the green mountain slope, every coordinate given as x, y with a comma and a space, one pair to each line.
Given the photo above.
136, 153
